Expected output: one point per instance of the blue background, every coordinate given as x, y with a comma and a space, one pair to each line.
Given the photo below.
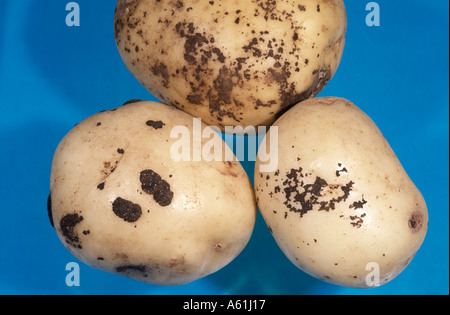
53, 76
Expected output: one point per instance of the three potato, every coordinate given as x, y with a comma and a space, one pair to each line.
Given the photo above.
338, 202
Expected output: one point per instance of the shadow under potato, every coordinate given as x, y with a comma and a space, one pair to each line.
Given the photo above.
262, 269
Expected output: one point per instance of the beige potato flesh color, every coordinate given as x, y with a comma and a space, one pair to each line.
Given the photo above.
232, 63
121, 204
340, 201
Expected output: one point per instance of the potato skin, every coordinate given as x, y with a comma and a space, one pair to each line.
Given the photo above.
119, 202
340, 200
232, 63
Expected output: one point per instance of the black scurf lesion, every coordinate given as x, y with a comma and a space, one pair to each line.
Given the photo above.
161, 70
194, 41
342, 169
155, 124
154, 185
101, 186
357, 221
67, 225
126, 210
304, 193
358, 204
416, 221
136, 268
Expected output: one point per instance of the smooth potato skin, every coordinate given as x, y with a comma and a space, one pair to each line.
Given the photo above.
232, 63
340, 199
198, 217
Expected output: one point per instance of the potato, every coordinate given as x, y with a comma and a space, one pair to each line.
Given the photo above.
340, 205
232, 63
120, 203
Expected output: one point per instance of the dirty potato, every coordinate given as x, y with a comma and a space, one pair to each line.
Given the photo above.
340, 205
232, 63
121, 203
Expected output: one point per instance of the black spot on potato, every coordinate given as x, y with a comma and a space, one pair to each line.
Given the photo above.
221, 95
301, 196
224, 85
179, 4
287, 91
126, 210
195, 98
155, 124
357, 221
358, 204
154, 185
67, 225
135, 268
160, 69
342, 170
320, 81
193, 41
220, 55
415, 221
252, 46
110, 167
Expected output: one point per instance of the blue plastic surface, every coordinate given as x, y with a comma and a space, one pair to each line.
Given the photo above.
52, 76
